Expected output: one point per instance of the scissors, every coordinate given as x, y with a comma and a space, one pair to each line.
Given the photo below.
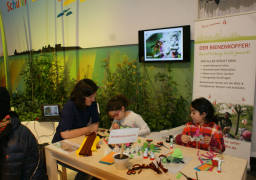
189, 178
162, 144
130, 171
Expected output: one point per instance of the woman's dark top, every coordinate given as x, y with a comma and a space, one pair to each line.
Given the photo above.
73, 118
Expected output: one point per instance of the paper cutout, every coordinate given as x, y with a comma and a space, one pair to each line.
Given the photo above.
108, 159
177, 153
214, 163
178, 175
204, 166
93, 148
211, 168
209, 162
201, 160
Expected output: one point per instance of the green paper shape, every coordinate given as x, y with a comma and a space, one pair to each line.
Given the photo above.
209, 162
178, 175
139, 153
177, 153
121, 127
139, 141
127, 127
131, 156
206, 169
164, 160
107, 135
125, 147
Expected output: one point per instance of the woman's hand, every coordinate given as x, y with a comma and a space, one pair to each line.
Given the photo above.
207, 139
115, 126
93, 127
185, 138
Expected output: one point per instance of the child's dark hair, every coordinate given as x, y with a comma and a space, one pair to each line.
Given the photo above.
203, 105
116, 103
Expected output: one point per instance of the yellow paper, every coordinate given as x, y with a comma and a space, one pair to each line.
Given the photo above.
96, 140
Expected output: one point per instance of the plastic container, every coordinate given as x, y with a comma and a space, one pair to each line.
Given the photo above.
121, 164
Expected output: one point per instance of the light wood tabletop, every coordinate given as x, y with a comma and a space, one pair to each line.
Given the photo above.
233, 168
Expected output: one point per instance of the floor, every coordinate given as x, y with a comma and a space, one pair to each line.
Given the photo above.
251, 175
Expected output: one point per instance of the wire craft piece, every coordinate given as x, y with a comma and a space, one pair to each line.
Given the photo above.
197, 137
176, 157
150, 166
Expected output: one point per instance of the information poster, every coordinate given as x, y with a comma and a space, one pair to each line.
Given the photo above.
224, 70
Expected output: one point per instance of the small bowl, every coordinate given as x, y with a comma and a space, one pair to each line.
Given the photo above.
121, 164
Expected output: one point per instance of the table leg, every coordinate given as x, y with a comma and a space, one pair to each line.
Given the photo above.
51, 165
64, 173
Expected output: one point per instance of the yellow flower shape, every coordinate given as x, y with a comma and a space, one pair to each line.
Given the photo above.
125, 56
147, 82
96, 82
134, 72
112, 83
117, 52
133, 66
105, 60
134, 60
118, 65
122, 64
151, 67
102, 60
130, 63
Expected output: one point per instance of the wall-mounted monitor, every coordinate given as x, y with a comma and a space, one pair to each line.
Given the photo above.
170, 44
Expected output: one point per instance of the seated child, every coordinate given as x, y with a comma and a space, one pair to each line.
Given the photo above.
226, 133
203, 123
116, 108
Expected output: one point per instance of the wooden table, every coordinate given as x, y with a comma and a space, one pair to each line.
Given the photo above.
233, 168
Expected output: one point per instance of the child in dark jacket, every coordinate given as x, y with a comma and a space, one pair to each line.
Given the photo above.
19, 151
202, 132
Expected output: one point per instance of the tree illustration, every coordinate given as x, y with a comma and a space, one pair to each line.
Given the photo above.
238, 109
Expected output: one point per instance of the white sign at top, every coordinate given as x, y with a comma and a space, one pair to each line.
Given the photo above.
119, 136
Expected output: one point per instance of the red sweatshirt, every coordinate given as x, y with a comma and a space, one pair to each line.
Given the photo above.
210, 129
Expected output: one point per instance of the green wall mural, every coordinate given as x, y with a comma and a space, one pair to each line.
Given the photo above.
59, 34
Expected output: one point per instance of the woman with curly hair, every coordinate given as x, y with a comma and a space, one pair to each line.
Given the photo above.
80, 113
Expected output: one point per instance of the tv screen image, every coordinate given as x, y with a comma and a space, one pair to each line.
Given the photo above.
170, 44
163, 44
51, 110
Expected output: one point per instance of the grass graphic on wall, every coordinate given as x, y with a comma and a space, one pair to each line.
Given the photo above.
218, 37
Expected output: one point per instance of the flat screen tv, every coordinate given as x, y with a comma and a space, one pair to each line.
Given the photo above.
170, 44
